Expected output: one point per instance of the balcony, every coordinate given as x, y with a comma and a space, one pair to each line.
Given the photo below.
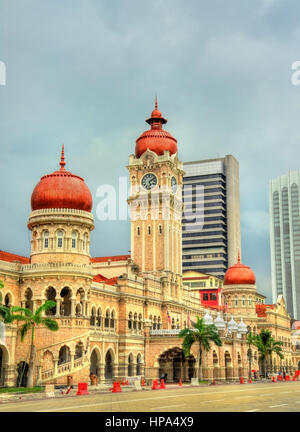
165, 332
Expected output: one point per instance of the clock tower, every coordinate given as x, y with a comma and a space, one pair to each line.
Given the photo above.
155, 200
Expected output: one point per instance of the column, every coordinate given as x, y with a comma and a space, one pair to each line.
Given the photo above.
73, 303
58, 303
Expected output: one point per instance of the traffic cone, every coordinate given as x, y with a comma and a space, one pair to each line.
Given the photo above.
143, 382
273, 379
214, 382
162, 384
242, 380
116, 387
123, 383
127, 383
155, 385
180, 383
250, 381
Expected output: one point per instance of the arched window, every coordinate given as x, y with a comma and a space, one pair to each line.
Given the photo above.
236, 301
149, 229
177, 323
154, 323
158, 323
173, 323
130, 321
46, 239
7, 300
138, 231
160, 229
93, 316
65, 307
51, 295
140, 321
139, 365
112, 319
28, 299
243, 300
74, 239
106, 321
250, 301
78, 350
59, 236
99, 317
135, 321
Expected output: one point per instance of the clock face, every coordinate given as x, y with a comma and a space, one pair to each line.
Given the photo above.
149, 181
174, 184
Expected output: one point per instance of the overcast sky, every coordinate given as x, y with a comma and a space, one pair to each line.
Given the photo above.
85, 73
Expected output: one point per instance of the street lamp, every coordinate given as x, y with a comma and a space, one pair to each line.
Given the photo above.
249, 354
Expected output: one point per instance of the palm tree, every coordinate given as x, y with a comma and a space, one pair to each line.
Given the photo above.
1, 286
266, 346
202, 333
32, 320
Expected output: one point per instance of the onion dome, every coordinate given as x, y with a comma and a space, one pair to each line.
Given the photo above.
61, 189
156, 139
219, 322
239, 274
232, 326
242, 328
208, 319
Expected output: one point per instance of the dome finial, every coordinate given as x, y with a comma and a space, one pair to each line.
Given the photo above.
156, 102
62, 162
239, 257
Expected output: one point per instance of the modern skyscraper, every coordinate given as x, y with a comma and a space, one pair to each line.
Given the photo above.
285, 239
212, 239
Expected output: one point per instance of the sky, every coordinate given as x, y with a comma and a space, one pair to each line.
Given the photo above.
86, 73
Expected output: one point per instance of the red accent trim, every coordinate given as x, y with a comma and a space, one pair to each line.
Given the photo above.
107, 281
9, 257
111, 258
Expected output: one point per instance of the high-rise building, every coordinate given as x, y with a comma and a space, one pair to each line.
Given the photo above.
211, 235
285, 239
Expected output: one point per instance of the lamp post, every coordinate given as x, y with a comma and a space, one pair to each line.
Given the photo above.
249, 354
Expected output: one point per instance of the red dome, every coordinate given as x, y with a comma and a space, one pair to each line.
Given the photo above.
239, 274
156, 139
61, 189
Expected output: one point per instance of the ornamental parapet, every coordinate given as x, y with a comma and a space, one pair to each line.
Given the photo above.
60, 216
56, 268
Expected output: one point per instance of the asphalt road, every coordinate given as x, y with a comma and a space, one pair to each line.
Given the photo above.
271, 397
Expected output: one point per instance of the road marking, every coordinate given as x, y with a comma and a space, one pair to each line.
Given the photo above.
275, 406
169, 406
257, 409
286, 392
225, 390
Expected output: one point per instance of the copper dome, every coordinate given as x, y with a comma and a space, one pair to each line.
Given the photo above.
61, 189
239, 274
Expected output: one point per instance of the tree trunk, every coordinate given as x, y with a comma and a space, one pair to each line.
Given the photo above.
30, 376
200, 375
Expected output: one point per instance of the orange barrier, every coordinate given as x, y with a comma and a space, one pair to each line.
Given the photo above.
82, 389
214, 382
180, 383
123, 383
294, 378
273, 379
250, 381
279, 378
117, 387
127, 383
287, 378
143, 383
155, 385
162, 384
242, 380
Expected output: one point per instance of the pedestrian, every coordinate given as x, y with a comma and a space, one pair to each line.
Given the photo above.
284, 374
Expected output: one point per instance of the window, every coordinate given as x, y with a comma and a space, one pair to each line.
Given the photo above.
46, 239
59, 235
130, 321
205, 297
243, 301
74, 239
212, 296
160, 229
149, 230
138, 231
236, 301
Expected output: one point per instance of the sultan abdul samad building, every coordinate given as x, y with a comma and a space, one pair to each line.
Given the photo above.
120, 316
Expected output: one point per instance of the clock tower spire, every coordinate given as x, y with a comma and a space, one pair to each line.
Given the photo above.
155, 201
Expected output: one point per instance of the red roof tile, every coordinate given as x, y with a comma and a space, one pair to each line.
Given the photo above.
111, 258
9, 257
108, 281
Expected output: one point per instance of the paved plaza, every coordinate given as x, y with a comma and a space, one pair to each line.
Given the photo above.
260, 397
